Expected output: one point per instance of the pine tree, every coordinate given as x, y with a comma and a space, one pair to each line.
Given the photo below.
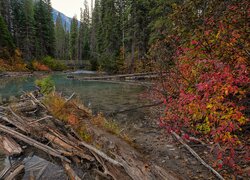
74, 39
5, 11
86, 31
60, 38
28, 47
5, 36
50, 27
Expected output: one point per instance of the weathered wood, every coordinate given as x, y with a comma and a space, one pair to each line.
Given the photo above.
26, 106
56, 139
70, 172
131, 163
32, 142
16, 171
100, 153
9, 146
119, 161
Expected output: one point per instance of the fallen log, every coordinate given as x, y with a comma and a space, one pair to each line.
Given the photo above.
137, 76
59, 140
33, 142
26, 106
131, 164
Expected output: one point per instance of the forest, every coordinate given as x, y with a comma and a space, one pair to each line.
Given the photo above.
199, 48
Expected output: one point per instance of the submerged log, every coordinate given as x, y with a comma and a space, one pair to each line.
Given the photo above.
124, 77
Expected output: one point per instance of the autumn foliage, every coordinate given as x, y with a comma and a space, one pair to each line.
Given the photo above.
38, 66
206, 79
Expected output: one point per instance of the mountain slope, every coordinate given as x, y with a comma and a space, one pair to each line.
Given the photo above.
65, 19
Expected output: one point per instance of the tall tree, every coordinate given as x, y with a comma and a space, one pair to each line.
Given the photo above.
74, 39
86, 31
60, 38
5, 36
45, 37
28, 47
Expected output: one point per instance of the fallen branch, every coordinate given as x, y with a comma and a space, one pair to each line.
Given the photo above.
36, 100
44, 118
70, 172
70, 98
17, 171
100, 153
197, 156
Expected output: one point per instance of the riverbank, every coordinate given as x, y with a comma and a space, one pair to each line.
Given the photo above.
23, 74
80, 139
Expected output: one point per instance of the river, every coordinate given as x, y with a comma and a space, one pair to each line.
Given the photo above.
98, 96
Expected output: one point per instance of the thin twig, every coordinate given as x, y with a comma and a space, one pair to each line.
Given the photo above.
70, 97
44, 118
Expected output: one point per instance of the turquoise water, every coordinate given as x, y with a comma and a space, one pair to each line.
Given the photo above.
99, 96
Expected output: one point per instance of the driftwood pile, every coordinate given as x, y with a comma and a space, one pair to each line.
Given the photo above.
29, 122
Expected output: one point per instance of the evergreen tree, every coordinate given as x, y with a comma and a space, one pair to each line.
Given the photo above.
44, 26
60, 38
74, 39
50, 27
5, 36
86, 31
5, 11
28, 47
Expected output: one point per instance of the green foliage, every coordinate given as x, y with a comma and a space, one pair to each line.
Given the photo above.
53, 64
74, 39
46, 85
109, 63
44, 29
5, 37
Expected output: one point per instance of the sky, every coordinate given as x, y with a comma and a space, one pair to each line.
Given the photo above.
69, 7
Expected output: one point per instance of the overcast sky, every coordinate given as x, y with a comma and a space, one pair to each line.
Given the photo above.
69, 7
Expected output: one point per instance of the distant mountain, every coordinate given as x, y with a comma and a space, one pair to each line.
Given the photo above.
65, 19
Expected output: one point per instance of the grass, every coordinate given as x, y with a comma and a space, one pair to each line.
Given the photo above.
75, 114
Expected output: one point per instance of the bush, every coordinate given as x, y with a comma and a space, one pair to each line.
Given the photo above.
38, 66
53, 64
208, 80
46, 85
